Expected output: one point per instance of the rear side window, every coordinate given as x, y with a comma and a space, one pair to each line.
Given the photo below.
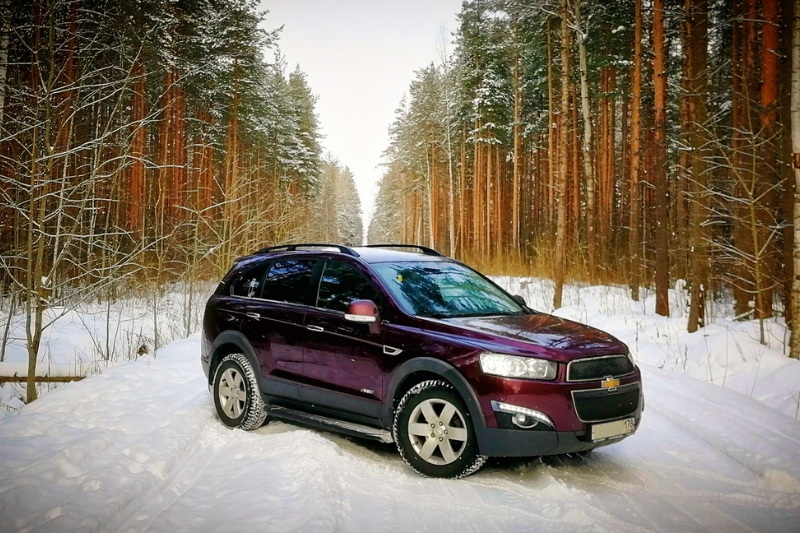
288, 280
249, 283
341, 284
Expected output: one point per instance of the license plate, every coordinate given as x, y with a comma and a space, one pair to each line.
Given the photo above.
613, 429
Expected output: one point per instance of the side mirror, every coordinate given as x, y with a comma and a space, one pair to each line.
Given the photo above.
364, 311
519, 299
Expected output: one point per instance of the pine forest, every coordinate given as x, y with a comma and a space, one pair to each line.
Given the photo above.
145, 143
645, 144
642, 143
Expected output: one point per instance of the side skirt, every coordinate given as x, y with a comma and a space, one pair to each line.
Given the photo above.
331, 424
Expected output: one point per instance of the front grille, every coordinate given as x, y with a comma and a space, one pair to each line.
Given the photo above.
595, 368
597, 405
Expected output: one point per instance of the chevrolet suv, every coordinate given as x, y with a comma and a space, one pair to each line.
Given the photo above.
413, 348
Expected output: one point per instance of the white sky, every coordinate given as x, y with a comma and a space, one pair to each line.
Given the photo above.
360, 56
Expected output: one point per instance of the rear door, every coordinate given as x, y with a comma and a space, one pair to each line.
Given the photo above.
343, 359
273, 323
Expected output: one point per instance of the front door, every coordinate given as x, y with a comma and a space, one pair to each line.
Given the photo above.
343, 360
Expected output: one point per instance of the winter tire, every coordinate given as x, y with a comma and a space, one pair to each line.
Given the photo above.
236, 394
434, 432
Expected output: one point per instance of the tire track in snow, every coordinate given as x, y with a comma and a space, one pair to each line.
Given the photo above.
160, 508
156, 492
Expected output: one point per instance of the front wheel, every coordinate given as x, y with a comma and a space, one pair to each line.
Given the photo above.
236, 394
434, 432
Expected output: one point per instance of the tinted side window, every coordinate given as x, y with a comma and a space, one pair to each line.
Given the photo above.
341, 284
249, 283
288, 280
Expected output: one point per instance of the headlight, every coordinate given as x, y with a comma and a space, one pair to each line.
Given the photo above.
512, 366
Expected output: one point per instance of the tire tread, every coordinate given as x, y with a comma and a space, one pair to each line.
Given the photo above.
255, 410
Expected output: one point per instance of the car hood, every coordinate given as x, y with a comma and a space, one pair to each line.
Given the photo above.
546, 332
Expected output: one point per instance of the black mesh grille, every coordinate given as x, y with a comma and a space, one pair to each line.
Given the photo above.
598, 405
599, 368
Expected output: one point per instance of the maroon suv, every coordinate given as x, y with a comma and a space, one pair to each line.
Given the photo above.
414, 348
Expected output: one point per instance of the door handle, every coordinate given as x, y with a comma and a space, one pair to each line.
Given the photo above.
318, 329
253, 315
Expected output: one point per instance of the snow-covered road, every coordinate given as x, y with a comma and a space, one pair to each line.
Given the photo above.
139, 448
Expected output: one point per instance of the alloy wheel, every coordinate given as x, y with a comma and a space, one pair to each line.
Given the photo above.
232, 393
437, 431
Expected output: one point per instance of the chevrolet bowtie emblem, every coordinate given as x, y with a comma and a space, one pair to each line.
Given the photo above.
610, 383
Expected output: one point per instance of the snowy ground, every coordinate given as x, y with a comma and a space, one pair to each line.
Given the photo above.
139, 448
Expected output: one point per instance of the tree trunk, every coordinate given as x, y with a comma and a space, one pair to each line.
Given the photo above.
794, 345
562, 162
517, 155
636, 202
697, 32
576, 170
36, 207
768, 174
551, 141
451, 197
462, 211
487, 195
136, 169
231, 176
660, 177
5, 29
476, 188
588, 167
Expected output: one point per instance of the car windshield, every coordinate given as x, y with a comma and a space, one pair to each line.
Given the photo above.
444, 290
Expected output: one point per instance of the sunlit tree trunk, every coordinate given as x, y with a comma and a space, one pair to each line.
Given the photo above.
660, 177
517, 152
588, 167
560, 258
462, 206
135, 207
551, 129
768, 174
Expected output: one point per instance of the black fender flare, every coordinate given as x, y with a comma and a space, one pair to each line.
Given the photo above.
239, 340
447, 372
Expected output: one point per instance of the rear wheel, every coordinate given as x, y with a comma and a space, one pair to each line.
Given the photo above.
434, 432
236, 394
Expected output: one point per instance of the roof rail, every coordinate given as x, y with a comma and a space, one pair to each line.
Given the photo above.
294, 247
424, 249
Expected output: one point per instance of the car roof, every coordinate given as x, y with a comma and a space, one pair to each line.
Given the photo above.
365, 254
385, 255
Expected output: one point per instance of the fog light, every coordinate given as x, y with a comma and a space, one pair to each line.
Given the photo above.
525, 422
522, 416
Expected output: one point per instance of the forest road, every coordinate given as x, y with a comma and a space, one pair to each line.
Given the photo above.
139, 448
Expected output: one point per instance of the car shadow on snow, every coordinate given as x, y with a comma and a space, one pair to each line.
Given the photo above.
497, 466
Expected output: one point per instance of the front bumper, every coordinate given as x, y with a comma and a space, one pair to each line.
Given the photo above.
545, 439
498, 442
